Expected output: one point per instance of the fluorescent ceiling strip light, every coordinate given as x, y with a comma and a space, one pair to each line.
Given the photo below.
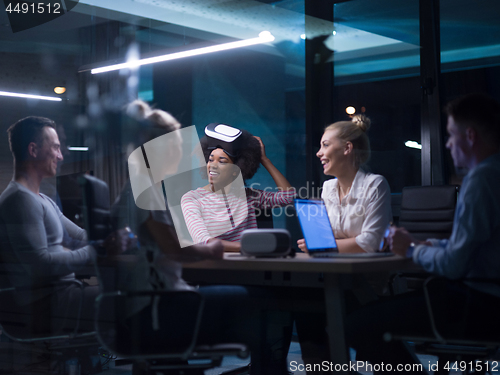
73, 148
413, 144
27, 96
264, 37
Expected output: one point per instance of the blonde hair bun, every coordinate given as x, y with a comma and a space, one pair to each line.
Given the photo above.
164, 120
138, 110
141, 111
362, 122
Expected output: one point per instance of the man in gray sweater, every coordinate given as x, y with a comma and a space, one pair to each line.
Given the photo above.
33, 249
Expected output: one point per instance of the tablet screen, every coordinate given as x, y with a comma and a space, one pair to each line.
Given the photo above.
316, 227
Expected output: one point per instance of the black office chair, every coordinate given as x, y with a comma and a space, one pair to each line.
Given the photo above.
178, 355
428, 211
396, 207
17, 323
450, 346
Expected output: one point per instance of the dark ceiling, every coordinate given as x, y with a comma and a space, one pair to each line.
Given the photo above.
465, 25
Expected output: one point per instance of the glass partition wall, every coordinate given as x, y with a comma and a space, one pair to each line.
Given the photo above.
377, 72
372, 49
248, 87
470, 55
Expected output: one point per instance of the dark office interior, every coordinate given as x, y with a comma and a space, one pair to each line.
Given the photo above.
396, 61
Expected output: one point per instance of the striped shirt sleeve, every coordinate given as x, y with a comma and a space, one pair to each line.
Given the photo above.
191, 209
264, 198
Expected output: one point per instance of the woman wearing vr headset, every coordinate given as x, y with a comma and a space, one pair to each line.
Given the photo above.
224, 208
230, 313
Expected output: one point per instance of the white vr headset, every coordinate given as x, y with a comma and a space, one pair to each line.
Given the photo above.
224, 137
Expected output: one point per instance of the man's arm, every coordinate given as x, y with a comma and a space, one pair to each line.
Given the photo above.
475, 217
74, 231
74, 236
24, 220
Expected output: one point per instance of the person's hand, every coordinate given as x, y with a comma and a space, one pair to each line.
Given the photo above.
400, 240
120, 241
215, 249
262, 148
302, 245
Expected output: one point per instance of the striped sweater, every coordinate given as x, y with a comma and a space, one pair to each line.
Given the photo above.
210, 215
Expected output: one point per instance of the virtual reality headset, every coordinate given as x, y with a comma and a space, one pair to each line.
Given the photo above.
224, 137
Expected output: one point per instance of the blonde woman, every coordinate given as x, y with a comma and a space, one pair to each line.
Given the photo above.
358, 202
359, 209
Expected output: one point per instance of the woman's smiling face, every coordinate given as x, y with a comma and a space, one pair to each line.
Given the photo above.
331, 153
220, 169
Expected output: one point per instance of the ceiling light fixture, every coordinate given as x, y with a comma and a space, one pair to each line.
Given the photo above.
264, 37
59, 90
28, 96
413, 144
75, 148
350, 110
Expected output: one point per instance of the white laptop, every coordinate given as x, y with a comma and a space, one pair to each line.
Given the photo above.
318, 233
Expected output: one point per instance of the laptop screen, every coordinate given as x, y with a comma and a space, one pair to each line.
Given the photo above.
316, 227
